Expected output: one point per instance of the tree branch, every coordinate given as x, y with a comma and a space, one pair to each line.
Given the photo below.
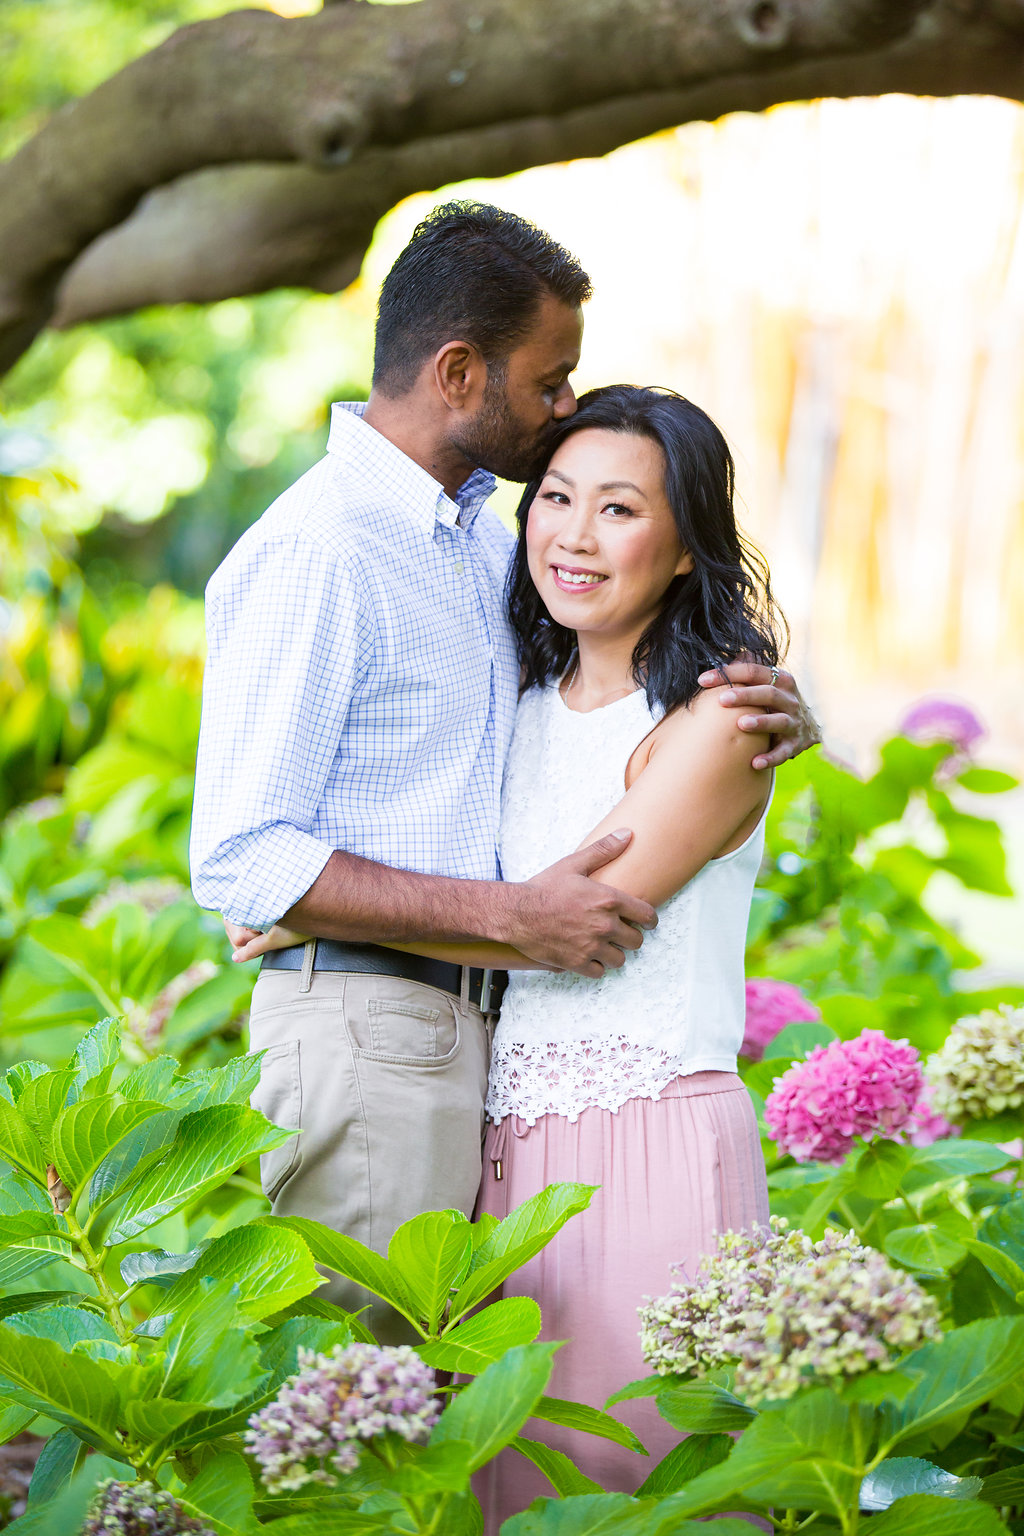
252, 86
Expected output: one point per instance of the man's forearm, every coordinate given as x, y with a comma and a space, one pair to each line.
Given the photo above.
359, 901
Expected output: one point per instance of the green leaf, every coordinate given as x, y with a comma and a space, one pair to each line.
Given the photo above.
156, 1264
588, 1421
799, 1455
700, 1408
923, 1514
522, 1234
97, 1052
233, 1083
478, 1341
432, 1253
207, 1357
1005, 1487
85, 1132
597, 1514
683, 1463
952, 1159
153, 1080
28, 1242
442, 1468
924, 1248
42, 1100
562, 1473
41, 1374
210, 1144
956, 1374
348, 1257
57, 1461
222, 1496
1004, 1270
880, 1169
986, 781
1004, 1228
128, 1162
270, 1266
493, 1408
646, 1386
796, 1041
901, 1476
19, 1144
13, 1419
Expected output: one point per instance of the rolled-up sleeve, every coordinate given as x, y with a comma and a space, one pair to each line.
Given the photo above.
286, 640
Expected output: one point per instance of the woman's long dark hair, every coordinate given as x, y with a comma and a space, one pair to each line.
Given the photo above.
714, 614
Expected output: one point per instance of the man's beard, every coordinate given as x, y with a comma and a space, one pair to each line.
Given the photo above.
494, 439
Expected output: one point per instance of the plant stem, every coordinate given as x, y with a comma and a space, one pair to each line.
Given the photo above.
94, 1264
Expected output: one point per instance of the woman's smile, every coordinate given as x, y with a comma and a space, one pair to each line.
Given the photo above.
575, 578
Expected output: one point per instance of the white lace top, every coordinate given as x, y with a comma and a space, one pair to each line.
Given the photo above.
565, 1043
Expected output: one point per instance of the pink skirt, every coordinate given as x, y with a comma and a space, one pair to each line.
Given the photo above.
673, 1172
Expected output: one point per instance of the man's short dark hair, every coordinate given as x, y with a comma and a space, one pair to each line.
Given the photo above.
472, 272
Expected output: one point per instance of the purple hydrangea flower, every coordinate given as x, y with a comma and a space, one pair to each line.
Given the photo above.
781, 1311
138, 1509
938, 719
333, 1403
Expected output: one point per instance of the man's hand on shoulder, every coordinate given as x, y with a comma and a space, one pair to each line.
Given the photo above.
782, 712
568, 922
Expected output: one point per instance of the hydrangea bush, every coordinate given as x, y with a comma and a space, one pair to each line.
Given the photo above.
771, 1005
781, 1311
139, 1509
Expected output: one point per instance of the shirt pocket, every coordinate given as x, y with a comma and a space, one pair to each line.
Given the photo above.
278, 1095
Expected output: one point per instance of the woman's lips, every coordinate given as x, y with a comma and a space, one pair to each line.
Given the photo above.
569, 578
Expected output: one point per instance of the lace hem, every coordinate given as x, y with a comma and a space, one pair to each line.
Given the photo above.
549, 1078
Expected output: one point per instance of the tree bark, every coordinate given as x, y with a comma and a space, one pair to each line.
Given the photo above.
402, 100
251, 86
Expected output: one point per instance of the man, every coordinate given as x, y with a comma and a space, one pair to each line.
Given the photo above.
359, 699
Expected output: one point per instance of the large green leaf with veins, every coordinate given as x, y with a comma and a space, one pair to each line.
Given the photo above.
209, 1145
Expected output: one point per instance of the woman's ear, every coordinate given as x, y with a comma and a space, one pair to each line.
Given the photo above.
685, 564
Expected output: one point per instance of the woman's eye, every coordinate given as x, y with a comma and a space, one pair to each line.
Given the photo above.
556, 496
618, 509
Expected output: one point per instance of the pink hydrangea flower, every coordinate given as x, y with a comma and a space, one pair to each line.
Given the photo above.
771, 1005
864, 1087
937, 719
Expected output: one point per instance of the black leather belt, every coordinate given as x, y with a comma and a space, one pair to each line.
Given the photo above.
485, 987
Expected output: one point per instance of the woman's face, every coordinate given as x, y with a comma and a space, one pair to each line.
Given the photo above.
601, 540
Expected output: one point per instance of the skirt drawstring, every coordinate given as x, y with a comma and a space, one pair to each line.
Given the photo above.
505, 1127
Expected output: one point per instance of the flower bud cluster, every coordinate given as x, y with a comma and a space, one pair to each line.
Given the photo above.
315, 1425
138, 1509
864, 1087
771, 1005
782, 1312
979, 1071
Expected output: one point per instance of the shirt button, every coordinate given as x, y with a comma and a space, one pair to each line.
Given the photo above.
459, 567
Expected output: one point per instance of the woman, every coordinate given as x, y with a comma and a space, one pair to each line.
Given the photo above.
630, 579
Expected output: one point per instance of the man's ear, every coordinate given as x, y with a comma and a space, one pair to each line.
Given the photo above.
460, 374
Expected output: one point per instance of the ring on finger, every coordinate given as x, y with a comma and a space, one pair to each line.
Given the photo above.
775, 676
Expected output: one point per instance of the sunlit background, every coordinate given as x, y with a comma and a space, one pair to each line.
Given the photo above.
840, 284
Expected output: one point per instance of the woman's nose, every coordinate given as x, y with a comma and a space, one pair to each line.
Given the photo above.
577, 532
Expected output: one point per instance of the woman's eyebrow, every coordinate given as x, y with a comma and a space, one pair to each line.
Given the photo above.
619, 485
557, 474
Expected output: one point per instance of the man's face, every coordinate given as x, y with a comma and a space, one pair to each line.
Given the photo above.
510, 432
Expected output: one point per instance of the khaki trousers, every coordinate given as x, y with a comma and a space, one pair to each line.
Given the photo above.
384, 1081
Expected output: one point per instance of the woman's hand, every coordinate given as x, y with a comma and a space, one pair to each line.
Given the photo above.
248, 943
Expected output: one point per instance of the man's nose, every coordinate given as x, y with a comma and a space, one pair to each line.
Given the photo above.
565, 403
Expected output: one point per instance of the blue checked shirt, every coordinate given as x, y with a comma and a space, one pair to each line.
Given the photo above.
360, 685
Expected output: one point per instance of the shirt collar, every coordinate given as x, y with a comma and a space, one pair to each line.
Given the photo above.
398, 478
